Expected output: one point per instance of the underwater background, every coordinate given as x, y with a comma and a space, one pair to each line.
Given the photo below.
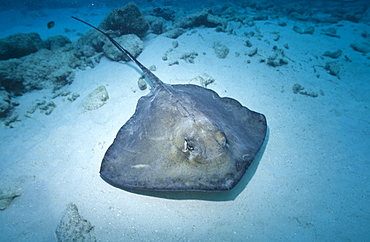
65, 93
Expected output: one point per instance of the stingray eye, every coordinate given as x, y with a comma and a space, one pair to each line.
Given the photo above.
188, 146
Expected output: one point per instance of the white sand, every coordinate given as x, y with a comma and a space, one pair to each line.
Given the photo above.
311, 183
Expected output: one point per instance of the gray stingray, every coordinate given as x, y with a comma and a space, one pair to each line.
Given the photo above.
182, 138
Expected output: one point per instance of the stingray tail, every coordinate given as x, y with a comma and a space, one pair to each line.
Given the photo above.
153, 79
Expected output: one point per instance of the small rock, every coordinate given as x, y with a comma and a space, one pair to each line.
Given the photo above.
308, 30
297, 88
276, 37
297, 29
282, 23
277, 59
152, 68
142, 83
13, 118
362, 47
333, 54
51, 106
174, 33
220, 50
332, 32
40, 102
32, 109
46, 108
274, 61
248, 43
310, 94
174, 62
204, 80
189, 57
333, 68
37, 104
65, 93
232, 26
73, 97
95, 99
175, 44
7, 195
252, 52
346, 58
43, 107
73, 227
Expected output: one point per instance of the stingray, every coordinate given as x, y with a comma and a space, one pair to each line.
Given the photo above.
182, 138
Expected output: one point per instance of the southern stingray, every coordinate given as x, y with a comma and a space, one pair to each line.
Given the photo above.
182, 138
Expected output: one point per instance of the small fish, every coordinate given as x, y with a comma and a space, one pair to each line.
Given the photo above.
51, 24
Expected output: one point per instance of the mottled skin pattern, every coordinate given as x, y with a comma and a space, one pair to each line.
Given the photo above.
183, 138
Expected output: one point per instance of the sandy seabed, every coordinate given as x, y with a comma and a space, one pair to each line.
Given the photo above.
311, 182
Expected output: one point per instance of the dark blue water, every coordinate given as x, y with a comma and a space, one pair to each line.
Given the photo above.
42, 4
